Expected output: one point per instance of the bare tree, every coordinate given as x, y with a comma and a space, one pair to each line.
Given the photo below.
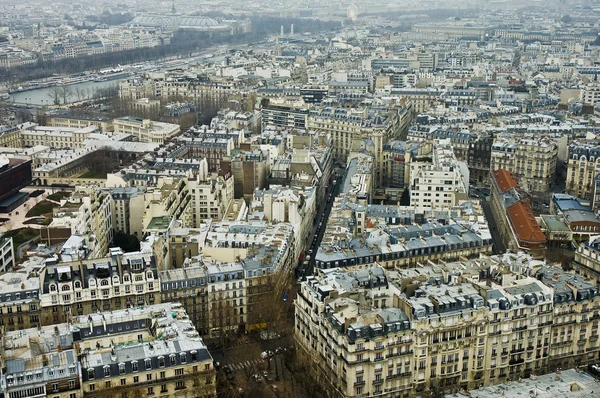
65, 93
79, 93
41, 117
55, 92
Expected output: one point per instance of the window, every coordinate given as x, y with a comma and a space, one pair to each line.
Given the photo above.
161, 362
91, 374
106, 371
123, 382
162, 375
179, 372
179, 385
134, 366
150, 390
148, 364
121, 368
182, 357
172, 360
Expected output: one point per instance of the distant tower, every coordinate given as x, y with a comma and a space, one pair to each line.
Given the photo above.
173, 8
278, 52
281, 31
292, 29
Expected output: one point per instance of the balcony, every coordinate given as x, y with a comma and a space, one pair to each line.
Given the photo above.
359, 383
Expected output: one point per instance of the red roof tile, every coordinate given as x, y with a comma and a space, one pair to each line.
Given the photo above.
524, 224
504, 180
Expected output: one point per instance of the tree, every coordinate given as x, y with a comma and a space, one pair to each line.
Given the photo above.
65, 93
405, 200
41, 117
54, 94
129, 243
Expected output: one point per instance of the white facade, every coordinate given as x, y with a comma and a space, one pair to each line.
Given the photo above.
146, 130
443, 183
7, 253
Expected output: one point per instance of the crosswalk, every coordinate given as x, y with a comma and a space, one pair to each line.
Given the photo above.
246, 364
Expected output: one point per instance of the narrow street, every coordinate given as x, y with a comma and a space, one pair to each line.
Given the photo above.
320, 222
498, 244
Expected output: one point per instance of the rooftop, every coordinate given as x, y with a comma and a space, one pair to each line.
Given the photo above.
524, 223
504, 180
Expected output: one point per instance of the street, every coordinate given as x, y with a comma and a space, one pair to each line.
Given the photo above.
320, 222
498, 244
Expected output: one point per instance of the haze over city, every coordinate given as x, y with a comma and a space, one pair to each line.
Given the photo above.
331, 199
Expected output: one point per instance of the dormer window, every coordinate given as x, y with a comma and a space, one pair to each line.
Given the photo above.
77, 285
65, 288
104, 282
52, 287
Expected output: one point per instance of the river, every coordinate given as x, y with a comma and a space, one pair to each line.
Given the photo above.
42, 96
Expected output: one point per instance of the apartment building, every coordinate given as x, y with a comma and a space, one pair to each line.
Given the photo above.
531, 161
443, 183
136, 88
395, 160
274, 116
210, 197
230, 272
587, 260
294, 206
349, 127
154, 350
360, 342
445, 327
87, 212
7, 253
583, 168
170, 198
125, 353
212, 147
20, 300
127, 205
123, 280
250, 170
590, 94
146, 130
575, 329
41, 362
